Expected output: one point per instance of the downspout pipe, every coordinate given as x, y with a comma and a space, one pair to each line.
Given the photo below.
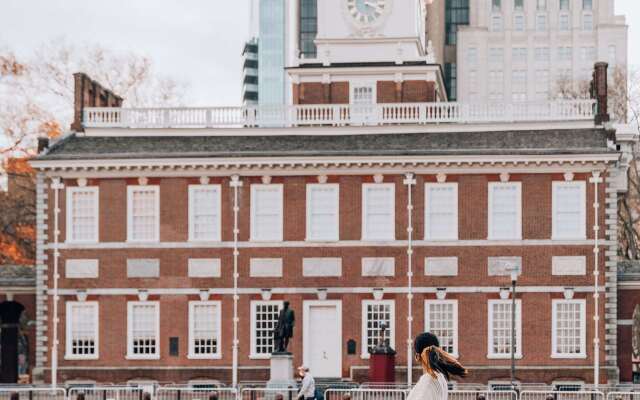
236, 184
56, 185
409, 181
596, 179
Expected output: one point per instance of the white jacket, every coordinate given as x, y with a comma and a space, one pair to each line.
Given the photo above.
429, 388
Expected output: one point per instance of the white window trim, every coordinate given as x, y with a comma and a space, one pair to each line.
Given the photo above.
390, 235
130, 190
518, 211
68, 354
254, 188
392, 328
518, 354
130, 355
254, 355
583, 210
455, 320
218, 189
69, 219
583, 329
218, 354
428, 186
366, 83
336, 234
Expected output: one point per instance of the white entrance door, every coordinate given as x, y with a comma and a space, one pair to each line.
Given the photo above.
323, 338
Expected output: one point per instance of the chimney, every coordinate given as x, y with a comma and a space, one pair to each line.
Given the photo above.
43, 144
89, 93
599, 91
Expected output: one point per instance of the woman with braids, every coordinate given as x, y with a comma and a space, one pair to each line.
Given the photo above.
438, 366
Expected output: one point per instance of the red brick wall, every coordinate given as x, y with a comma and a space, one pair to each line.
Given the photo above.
536, 224
387, 92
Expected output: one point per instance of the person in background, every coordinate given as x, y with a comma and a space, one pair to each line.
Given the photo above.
308, 389
437, 366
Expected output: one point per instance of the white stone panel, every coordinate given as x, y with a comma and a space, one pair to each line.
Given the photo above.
561, 265
265, 268
441, 266
143, 268
318, 267
500, 266
378, 266
81, 269
204, 268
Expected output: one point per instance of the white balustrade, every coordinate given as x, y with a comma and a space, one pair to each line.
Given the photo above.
338, 115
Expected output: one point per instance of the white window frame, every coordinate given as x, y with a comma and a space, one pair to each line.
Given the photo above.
518, 18
427, 319
130, 190
360, 84
96, 213
567, 27
583, 210
69, 337
541, 22
130, 354
218, 195
391, 234
518, 354
254, 188
490, 233
392, 326
336, 230
587, 17
453, 233
218, 319
497, 23
583, 329
254, 355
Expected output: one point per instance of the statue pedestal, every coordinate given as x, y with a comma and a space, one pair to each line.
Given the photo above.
281, 371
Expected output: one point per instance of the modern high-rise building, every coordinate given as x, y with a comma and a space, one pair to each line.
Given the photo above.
250, 73
522, 50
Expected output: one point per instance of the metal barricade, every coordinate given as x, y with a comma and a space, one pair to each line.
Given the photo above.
461, 394
366, 394
31, 393
561, 395
626, 395
109, 393
196, 393
269, 393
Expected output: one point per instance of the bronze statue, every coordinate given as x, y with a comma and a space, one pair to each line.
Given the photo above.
283, 330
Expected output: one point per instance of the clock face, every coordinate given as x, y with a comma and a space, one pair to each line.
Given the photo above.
367, 12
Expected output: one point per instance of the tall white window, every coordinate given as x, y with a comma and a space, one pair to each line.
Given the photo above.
375, 313
519, 85
323, 211
441, 319
542, 54
563, 22
496, 86
472, 55
204, 212
264, 316
82, 214
519, 54
587, 21
587, 5
505, 210
541, 22
542, 84
378, 211
441, 211
496, 55
568, 336
565, 53
500, 329
564, 5
569, 210
143, 213
266, 212
143, 330
473, 84
204, 329
518, 23
612, 56
588, 54
496, 5
541, 5
496, 23
518, 5
82, 330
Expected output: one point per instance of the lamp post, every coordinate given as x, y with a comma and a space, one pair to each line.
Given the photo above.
514, 279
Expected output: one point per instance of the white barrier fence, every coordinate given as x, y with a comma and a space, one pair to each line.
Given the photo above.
624, 395
366, 394
272, 393
190, 393
109, 393
31, 393
561, 395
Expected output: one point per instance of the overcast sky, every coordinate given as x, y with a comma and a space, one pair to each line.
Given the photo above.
196, 41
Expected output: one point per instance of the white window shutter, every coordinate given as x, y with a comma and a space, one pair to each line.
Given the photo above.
266, 212
322, 212
441, 211
378, 211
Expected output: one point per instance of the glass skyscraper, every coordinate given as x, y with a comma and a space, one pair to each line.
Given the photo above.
271, 53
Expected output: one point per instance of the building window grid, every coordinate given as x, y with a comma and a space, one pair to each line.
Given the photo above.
496, 5
500, 329
450, 76
378, 211
441, 319
143, 211
569, 210
374, 314
264, 318
204, 212
204, 329
569, 329
542, 55
266, 212
519, 55
441, 211
82, 330
143, 329
496, 86
82, 214
308, 28
587, 21
564, 24
505, 213
541, 5
472, 55
541, 22
518, 22
456, 14
496, 55
496, 23
323, 212
587, 5
542, 85
565, 5
519, 85
565, 53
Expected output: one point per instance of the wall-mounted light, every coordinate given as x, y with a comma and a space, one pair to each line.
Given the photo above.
143, 295
204, 294
266, 294
568, 293
441, 293
504, 293
322, 293
81, 295
378, 293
